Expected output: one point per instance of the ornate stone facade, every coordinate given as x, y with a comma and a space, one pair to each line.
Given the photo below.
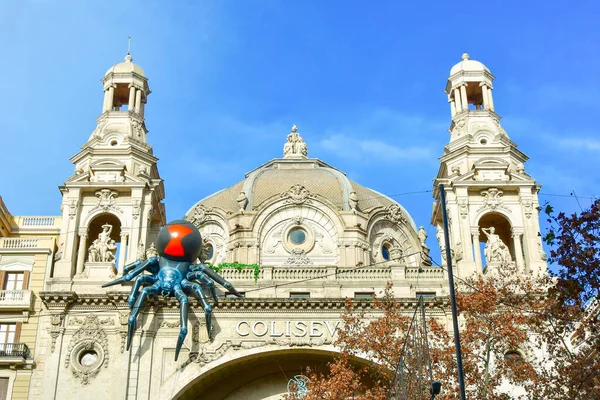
318, 237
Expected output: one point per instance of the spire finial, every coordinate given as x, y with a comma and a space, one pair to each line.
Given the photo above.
465, 56
128, 57
294, 128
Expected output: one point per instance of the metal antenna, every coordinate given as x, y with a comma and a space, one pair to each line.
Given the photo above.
129, 46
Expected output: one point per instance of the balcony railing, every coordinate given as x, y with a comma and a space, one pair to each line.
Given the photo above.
14, 350
15, 299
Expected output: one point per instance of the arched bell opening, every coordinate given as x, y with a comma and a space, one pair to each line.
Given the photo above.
103, 242
495, 245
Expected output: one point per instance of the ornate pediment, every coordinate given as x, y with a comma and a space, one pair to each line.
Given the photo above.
491, 169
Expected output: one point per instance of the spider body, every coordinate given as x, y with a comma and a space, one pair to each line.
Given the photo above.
172, 274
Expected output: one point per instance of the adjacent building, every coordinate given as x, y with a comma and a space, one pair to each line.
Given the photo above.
27, 249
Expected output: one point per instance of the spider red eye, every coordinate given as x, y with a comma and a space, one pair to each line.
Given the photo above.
174, 247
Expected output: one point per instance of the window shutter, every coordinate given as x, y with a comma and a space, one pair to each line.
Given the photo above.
26, 275
2, 279
18, 332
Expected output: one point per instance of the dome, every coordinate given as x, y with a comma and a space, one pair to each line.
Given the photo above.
126, 67
468, 65
297, 210
271, 180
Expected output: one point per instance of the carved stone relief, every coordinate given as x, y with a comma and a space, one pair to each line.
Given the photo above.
136, 209
463, 208
88, 348
297, 194
106, 200
199, 215
298, 257
492, 199
395, 214
528, 208
73, 205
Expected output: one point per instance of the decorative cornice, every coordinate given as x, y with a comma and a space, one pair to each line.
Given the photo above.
118, 300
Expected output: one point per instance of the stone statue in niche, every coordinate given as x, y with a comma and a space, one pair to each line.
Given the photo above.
495, 249
104, 248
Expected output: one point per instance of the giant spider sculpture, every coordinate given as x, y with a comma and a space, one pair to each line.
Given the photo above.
172, 274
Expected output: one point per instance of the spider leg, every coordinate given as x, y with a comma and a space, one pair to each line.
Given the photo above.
219, 279
206, 281
132, 266
136, 286
146, 265
137, 308
184, 302
197, 290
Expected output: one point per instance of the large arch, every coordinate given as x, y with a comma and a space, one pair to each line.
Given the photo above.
261, 375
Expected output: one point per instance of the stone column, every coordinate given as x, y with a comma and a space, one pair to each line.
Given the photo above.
131, 98
105, 103
490, 99
122, 252
477, 249
484, 94
518, 250
459, 106
111, 98
463, 97
138, 101
81, 252
452, 107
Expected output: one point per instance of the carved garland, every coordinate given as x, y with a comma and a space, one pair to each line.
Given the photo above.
89, 338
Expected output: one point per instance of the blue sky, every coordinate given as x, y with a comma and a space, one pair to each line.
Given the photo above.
229, 78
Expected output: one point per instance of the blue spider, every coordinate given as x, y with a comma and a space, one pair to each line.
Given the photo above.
172, 274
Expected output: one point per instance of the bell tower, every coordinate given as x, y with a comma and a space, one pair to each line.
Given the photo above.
112, 204
492, 202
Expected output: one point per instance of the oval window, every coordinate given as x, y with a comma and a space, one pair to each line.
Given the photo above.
297, 236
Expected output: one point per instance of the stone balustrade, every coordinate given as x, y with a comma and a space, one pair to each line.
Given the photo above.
369, 273
15, 299
37, 221
234, 274
21, 244
292, 273
422, 273
18, 243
